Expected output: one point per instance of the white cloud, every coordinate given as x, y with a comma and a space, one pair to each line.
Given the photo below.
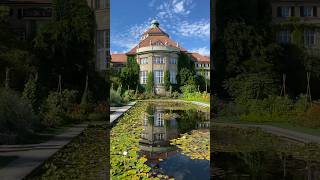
198, 29
172, 9
202, 50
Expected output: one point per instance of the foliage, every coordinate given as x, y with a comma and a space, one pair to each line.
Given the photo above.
184, 76
16, 116
150, 83
130, 74
128, 95
76, 160
57, 107
250, 86
188, 89
66, 45
124, 146
31, 93
175, 95
167, 82
197, 96
115, 98
195, 145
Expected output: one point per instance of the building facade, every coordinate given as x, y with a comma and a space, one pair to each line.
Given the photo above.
101, 8
28, 16
156, 53
287, 14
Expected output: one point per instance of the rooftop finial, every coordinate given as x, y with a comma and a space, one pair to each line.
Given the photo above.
154, 23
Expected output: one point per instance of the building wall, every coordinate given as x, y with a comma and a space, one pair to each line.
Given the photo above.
151, 66
101, 8
26, 19
311, 23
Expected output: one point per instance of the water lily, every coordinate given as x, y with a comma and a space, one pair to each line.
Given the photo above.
125, 153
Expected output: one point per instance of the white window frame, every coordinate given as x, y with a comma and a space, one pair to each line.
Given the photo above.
284, 36
158, 136
307, 11
158, 77
143, 77
173, 75
159, 122
309, 37
285, 11
173, 61
158, 60
144, 60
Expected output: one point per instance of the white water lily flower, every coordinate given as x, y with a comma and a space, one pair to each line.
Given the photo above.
125, 153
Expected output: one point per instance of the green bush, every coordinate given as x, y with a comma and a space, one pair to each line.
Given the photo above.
16, 116
115, 98
187, 89
128, 95
175, 95
57, 107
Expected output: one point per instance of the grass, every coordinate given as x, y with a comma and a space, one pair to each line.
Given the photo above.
5, 160
206, 101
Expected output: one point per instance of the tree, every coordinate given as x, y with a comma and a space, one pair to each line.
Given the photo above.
184, 75
66, 45
150, 83
130, 74
167, 82
30, 93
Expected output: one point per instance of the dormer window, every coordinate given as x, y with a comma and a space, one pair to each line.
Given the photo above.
158, 43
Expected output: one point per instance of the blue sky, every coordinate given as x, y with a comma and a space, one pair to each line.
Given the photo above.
186, 21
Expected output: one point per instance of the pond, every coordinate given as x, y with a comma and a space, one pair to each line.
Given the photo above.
253, 154
163, 125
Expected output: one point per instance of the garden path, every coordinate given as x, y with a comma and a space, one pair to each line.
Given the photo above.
33, 155
290, 134
117, 112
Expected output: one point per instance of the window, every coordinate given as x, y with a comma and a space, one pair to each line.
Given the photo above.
143, 77
158, 43
284, 36
173, 61
143, 135
285, 11
173, 75
308, 11
309, 38
158, 60
144, 60
158, 74
145, 120
158, 136
159, 122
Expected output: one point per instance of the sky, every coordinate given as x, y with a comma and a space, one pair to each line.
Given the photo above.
186, 21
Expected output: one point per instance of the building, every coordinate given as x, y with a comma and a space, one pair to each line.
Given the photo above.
156, 53
306, 13
28, 16
101, 8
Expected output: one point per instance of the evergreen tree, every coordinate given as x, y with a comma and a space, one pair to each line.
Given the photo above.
150, 83
130, 74
167, 82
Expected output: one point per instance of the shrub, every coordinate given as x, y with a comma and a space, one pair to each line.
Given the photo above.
16, 115
30, 93
187, 89
311, 118
128, 95
175, 94
115, 98
57, 107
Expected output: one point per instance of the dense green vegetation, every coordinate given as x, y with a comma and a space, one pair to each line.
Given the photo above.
50, 79
257, 79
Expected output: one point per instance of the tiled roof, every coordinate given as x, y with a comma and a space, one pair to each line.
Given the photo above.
198, 57
155, 34
119, 58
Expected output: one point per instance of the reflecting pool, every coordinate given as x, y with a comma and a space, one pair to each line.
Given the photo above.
162, 125
253, 154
